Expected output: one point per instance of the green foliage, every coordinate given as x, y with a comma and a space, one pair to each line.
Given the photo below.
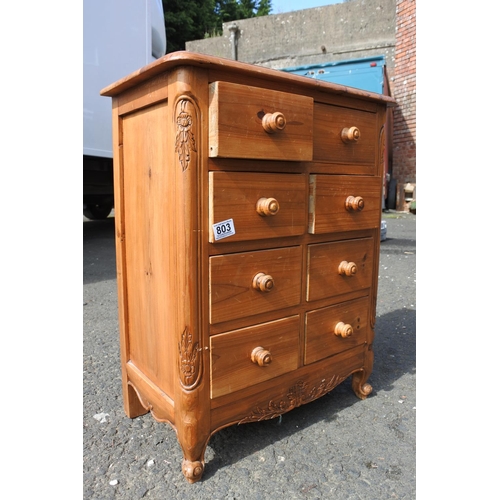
187, 20
264, 8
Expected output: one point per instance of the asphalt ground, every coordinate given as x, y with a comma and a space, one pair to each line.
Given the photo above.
337, 447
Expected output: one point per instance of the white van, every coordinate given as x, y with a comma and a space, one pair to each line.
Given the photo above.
119, 37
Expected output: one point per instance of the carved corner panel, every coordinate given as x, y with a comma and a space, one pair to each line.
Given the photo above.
186, 137
190, 361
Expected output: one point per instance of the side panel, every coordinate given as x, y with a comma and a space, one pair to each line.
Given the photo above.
148, 268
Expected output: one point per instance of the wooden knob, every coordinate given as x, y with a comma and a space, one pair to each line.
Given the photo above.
267, 206
348, 268
261, 356
350, 134
343, 330
263, 282
354, 203
272, 122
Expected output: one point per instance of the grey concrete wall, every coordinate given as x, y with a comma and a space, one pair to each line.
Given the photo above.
355, 29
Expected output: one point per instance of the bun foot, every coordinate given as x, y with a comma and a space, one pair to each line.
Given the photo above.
361, 388
192, 470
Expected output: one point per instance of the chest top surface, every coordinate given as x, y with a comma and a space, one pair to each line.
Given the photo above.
195, 60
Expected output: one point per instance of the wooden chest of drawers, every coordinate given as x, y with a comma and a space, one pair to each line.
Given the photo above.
248, 208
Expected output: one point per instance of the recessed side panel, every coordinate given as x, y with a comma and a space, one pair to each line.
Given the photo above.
148, 263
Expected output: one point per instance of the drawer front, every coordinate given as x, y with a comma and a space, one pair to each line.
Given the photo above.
339, 267
344, 203
260, 205
252, 122
245, 357
334, 329
249, 283
345, 135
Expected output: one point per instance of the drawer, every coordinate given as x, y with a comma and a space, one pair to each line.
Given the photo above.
252, 355
339, 267
258, 123
260, 205
334, 329
344, 203
249, 283
345, 135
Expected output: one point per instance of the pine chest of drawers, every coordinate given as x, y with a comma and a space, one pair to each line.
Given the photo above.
247, 211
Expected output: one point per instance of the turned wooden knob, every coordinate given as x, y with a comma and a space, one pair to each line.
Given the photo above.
263, 282
348, 268
267, 206
261, 356
272, 122
343, 330
354, 203
350, 134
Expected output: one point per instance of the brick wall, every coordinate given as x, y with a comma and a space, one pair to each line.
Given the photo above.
405, 92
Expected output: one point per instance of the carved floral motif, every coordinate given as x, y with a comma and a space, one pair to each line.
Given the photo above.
185, 141
189, 360
297, 395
